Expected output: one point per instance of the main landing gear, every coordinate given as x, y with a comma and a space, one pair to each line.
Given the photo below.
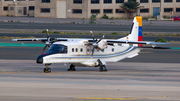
102, 65
47, 69
72, 68
102, 68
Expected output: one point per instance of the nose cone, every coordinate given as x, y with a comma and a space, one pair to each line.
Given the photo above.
40, 59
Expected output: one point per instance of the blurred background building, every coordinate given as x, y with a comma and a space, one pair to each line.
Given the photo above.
17, 7
84, 8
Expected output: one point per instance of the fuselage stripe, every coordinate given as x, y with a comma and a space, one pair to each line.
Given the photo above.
101, 56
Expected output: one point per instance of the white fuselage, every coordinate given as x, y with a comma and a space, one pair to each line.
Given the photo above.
80, 54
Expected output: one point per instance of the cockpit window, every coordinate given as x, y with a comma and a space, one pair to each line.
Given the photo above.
58, 48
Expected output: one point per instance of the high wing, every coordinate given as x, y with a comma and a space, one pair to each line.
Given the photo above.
153, 44
48, 41
40, 39
131, 42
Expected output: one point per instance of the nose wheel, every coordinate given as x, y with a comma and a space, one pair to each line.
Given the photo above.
47, 69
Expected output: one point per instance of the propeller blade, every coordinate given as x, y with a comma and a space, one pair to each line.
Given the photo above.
102, 50
44, 48
92, 52
48, 39
92, 35
100, 39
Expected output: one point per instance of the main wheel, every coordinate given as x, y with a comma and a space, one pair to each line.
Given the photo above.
44, 70
72, 68
102, 68
49, 70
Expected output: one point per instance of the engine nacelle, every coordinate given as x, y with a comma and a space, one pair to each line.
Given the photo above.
102, 44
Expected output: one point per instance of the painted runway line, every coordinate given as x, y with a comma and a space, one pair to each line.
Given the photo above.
21, 45
107, 98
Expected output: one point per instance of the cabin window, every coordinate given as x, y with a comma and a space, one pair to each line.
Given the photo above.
87, 49
76, 49
112, 49
81, 50
72, 49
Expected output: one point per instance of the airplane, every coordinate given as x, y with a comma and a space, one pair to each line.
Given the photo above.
92, 52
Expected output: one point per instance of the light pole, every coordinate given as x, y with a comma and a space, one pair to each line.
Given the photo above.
160, 11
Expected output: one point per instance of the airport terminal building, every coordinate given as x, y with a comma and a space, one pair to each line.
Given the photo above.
84, 8
17, 8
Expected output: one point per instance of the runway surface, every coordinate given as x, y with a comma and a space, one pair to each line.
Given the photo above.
43, 35
24, 80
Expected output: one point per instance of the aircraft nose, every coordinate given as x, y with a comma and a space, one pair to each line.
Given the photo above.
40, 58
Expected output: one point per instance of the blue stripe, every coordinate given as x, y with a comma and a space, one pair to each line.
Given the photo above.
140, 31
104, 56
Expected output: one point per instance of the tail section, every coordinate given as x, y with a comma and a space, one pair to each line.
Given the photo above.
136, 30
139, 19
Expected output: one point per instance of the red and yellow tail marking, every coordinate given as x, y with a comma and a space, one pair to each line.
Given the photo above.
140, 37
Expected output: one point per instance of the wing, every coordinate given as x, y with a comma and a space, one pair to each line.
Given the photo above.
134, 42
141, 43
130, 42
40, 39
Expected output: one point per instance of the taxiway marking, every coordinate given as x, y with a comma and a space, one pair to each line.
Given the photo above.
106, 98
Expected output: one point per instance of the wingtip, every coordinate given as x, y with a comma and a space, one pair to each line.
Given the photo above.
158, 43
14, 39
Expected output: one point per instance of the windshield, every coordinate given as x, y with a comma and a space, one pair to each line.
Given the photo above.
58, 48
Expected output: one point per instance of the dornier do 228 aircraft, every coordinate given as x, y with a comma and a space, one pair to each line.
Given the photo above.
92, 52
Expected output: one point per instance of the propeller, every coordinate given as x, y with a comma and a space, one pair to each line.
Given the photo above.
95, 43
49, 41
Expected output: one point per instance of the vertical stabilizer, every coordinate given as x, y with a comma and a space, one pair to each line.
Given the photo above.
133, 35
140, 37
136, 30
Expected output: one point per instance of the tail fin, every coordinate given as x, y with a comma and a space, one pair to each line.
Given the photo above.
140, 37
136, 30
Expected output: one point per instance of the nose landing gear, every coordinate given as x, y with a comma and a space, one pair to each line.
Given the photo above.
47, 69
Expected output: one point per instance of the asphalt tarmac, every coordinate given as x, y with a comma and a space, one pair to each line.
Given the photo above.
43, 35
24, 80
86, 27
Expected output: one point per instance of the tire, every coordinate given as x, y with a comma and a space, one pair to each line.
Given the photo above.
49, 70
44, 70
